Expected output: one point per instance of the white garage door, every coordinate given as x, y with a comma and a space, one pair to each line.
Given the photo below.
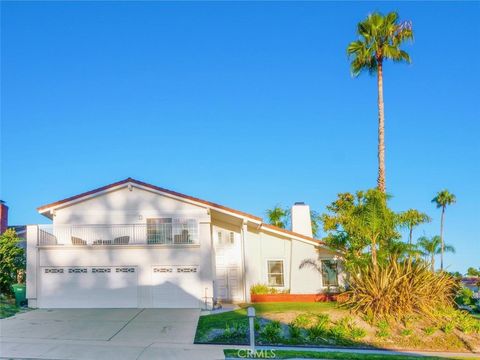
176, 286
88, 287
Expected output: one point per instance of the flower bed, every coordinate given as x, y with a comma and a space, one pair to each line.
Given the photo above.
259, 298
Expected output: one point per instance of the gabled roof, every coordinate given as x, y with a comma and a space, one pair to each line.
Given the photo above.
46, 209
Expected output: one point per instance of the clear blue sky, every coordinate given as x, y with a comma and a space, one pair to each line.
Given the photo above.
244, 104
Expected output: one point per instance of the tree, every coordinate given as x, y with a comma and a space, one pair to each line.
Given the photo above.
471, 271
431, 247
379, 38
361, 226
278, 216
412, 218
442, 200
316, 220
12, 259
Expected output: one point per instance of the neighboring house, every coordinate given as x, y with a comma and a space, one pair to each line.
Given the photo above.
132, 244
473, 283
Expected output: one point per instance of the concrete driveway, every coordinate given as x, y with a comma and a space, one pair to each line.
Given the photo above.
103, 333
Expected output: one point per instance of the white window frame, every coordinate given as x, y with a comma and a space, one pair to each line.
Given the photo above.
283, 273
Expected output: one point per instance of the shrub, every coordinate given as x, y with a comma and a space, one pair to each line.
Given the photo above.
271, 333
406, 332
317, 333
467, 324
430, 330
12, 260
234, 333
303, 321
346, 328
294, 331
260, 289
323, 320
399, 289
357, 333
383, 329
448, 328
465, 297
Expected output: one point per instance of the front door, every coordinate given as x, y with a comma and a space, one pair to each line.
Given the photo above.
228, 281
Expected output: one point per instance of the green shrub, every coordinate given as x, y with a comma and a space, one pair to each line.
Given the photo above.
323, 320
465, 296
399, 288
235, 332
271, 333
467, 324
12, 260
294, 331
357, 333
261, 289
303, 321
317, 333
430, 330
383, 329
448, 328
406, 332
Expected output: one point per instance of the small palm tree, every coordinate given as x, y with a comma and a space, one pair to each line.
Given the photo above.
278, 216
442, 200
412, 218
431, 247
380, 38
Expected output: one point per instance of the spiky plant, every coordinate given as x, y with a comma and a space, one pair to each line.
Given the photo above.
400, 288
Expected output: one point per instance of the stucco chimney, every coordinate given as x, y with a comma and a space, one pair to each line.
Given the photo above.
301, 220
3, 216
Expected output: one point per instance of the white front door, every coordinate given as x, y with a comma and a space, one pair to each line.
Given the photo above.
176, 286
88, 287
228, 280
228, 284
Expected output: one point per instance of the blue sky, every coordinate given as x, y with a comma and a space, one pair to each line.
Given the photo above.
244, 104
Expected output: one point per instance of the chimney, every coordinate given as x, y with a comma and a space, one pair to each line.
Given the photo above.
3, 216
301, 220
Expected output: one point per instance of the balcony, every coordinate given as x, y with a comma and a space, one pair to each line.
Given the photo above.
176, 232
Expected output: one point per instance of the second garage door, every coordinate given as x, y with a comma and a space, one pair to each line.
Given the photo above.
176, 286
88, 287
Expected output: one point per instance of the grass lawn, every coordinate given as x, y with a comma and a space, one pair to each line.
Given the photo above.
7, 307
299, 354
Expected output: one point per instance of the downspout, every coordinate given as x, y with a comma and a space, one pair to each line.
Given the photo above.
290, 267
244, 275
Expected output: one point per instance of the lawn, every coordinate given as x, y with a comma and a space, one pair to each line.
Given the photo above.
327, 324
299, 354
7, 307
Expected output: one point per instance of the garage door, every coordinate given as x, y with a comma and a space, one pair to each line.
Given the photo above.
176, 286
88, 287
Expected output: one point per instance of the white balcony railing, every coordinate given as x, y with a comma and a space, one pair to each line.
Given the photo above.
178, 232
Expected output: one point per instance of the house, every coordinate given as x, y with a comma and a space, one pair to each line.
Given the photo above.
133, 244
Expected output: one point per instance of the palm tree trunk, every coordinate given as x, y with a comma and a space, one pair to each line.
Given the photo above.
441, 238
374, 255
381, 131
433, 262
410, 236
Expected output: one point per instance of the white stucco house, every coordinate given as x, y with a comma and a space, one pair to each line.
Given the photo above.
133, 244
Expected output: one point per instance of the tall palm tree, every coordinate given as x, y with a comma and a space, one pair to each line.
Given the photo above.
442, 200
379, 38
412, 218
431, 247
278, 216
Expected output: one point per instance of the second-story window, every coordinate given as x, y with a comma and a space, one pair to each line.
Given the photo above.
172, 231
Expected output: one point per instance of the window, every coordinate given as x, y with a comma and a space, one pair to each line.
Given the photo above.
172, 231
329, 273
275, 273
